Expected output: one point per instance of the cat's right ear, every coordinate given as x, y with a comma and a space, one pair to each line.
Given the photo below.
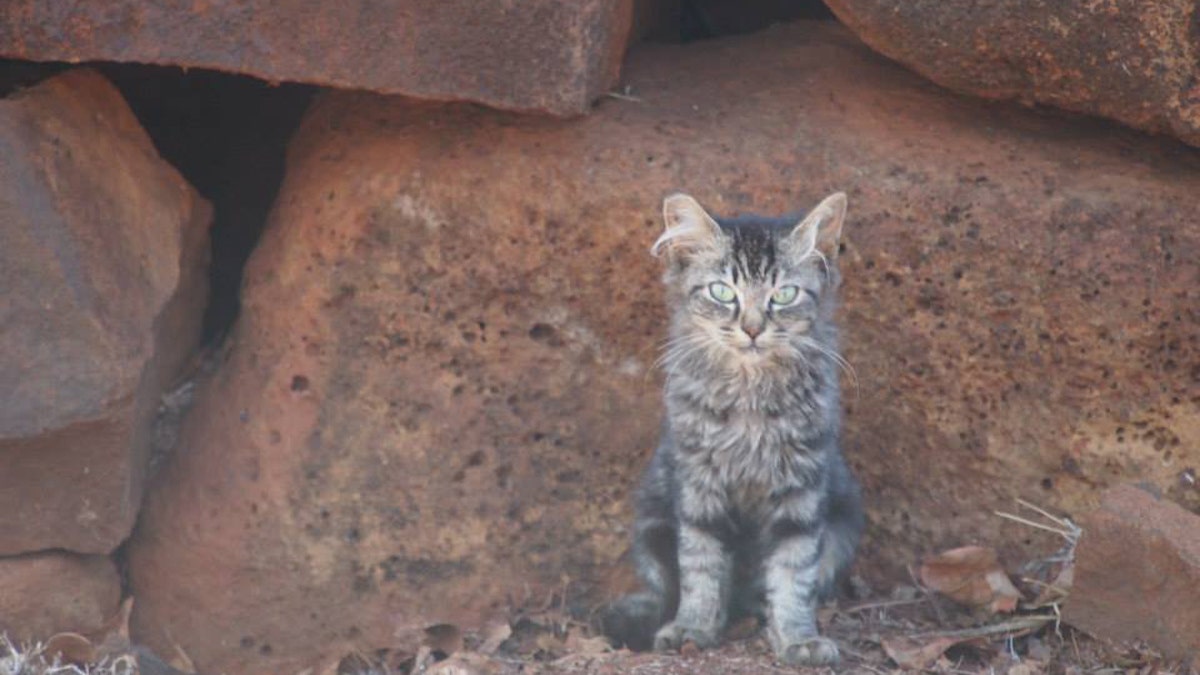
688, 227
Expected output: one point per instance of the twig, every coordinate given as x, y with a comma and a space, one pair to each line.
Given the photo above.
623, 97
1031, 622
879, 605
1039, 582
1062, 522
1065, 534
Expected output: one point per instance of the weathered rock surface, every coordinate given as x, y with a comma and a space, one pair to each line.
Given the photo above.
46, 593
1132, 61
543, 55
1137, 573
441, 388
103, 251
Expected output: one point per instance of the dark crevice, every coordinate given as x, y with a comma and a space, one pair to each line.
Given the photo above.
227, 135
692, 20
17, 75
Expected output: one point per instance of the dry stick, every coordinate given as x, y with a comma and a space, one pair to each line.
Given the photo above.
1065, 534
1057, 589
878, 605
1063, 522
1033, 621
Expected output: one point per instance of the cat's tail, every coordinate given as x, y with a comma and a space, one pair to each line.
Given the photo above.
632, 620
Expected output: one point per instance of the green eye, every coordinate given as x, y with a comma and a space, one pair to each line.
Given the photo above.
784, 296
721, 292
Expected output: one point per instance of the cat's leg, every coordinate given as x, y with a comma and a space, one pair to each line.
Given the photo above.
844, 522
792, 576
632, 620
705, 571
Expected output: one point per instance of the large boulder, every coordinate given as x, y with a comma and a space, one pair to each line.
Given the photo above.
103, 251
1128, 60
542, 55
441, 389
1137, 573
46, 593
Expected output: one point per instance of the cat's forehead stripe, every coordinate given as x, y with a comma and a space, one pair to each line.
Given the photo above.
753, 250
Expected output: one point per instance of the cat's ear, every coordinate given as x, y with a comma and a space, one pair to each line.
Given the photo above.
821, 229
688, 227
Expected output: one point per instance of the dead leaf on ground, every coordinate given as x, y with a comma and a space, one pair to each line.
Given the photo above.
463, 663
971, 575
588, 646
494, 635
916, 653
549, 645
71, 648
445, 638
351, 664
180, 660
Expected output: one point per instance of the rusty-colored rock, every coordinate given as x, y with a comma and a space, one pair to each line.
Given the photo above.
103, 251
46, 593
1137, 573
442, 387
1129, 60
536, 55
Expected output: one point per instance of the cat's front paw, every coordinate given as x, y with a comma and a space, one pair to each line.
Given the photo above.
672, 637
813, 651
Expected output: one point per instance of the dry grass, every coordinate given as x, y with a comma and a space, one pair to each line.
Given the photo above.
33, 659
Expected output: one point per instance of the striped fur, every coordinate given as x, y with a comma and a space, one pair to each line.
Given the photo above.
747, 506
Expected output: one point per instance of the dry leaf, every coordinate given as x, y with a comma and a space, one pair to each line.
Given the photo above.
916, 653
462, 663
444, 637
588, 646
422, 660
181, 661
549, 645
71, 648
494, 635
971, 575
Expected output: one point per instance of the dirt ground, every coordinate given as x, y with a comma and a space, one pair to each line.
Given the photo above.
913, 628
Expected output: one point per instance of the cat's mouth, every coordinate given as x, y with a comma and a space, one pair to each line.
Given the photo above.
752, 349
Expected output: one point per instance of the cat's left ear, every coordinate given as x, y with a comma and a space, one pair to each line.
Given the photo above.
821, 229
689, 228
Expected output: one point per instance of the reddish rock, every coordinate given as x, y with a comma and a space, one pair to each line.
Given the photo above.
538, 55
103, 251
1129, 60
441, 388
46, 593
1137, 573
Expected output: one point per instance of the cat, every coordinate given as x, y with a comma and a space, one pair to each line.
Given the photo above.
747, 507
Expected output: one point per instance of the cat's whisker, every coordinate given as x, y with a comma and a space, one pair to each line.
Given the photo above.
678, 348
834, 356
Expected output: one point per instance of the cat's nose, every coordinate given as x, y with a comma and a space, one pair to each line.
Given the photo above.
752, 329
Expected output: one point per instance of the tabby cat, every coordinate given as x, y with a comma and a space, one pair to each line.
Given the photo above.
747, 507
